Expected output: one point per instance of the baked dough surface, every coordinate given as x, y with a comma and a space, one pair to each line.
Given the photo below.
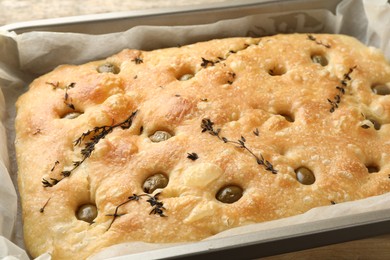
254, 112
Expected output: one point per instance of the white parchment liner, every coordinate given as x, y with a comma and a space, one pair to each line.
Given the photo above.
26, 56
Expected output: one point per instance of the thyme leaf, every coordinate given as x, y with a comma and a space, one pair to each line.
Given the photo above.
205, 63
54, 85
54, 166
138, 60
47, 183
67, 99
192, 156
44, 206
37, 131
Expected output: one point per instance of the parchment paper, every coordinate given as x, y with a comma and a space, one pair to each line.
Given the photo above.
26, 56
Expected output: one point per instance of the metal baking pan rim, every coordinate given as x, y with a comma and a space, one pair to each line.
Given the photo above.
278, 240
36, 25
126, 15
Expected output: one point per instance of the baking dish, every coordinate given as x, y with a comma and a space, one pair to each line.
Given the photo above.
271, 241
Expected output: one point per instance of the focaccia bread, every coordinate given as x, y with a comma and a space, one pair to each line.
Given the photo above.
179, 144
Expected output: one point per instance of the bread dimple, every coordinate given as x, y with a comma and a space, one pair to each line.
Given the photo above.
249, 115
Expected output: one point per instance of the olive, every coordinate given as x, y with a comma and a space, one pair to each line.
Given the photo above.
156, 181
277, 71
186, 77
381, 89
288, 117
160, 136
108, 68
305, 176
87, 213
376, 124
372, 168
319, 59
72, 115
229, 194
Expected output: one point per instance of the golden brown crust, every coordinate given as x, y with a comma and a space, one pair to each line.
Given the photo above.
246, 88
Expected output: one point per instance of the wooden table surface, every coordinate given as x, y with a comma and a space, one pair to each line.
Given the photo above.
12, 11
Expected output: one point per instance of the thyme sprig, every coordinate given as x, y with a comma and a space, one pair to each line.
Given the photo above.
334, 103
67, 99
157, 206
100, 132
312, 38
208, 126
97, 134
206, 63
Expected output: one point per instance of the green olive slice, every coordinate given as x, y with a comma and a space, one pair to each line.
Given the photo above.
288, 117
305, 176
186, 77
156, 181
376, 124
87, 213
229, 194
108, 68
72, 115
160, 136
381, 89
320, 60
372, 168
